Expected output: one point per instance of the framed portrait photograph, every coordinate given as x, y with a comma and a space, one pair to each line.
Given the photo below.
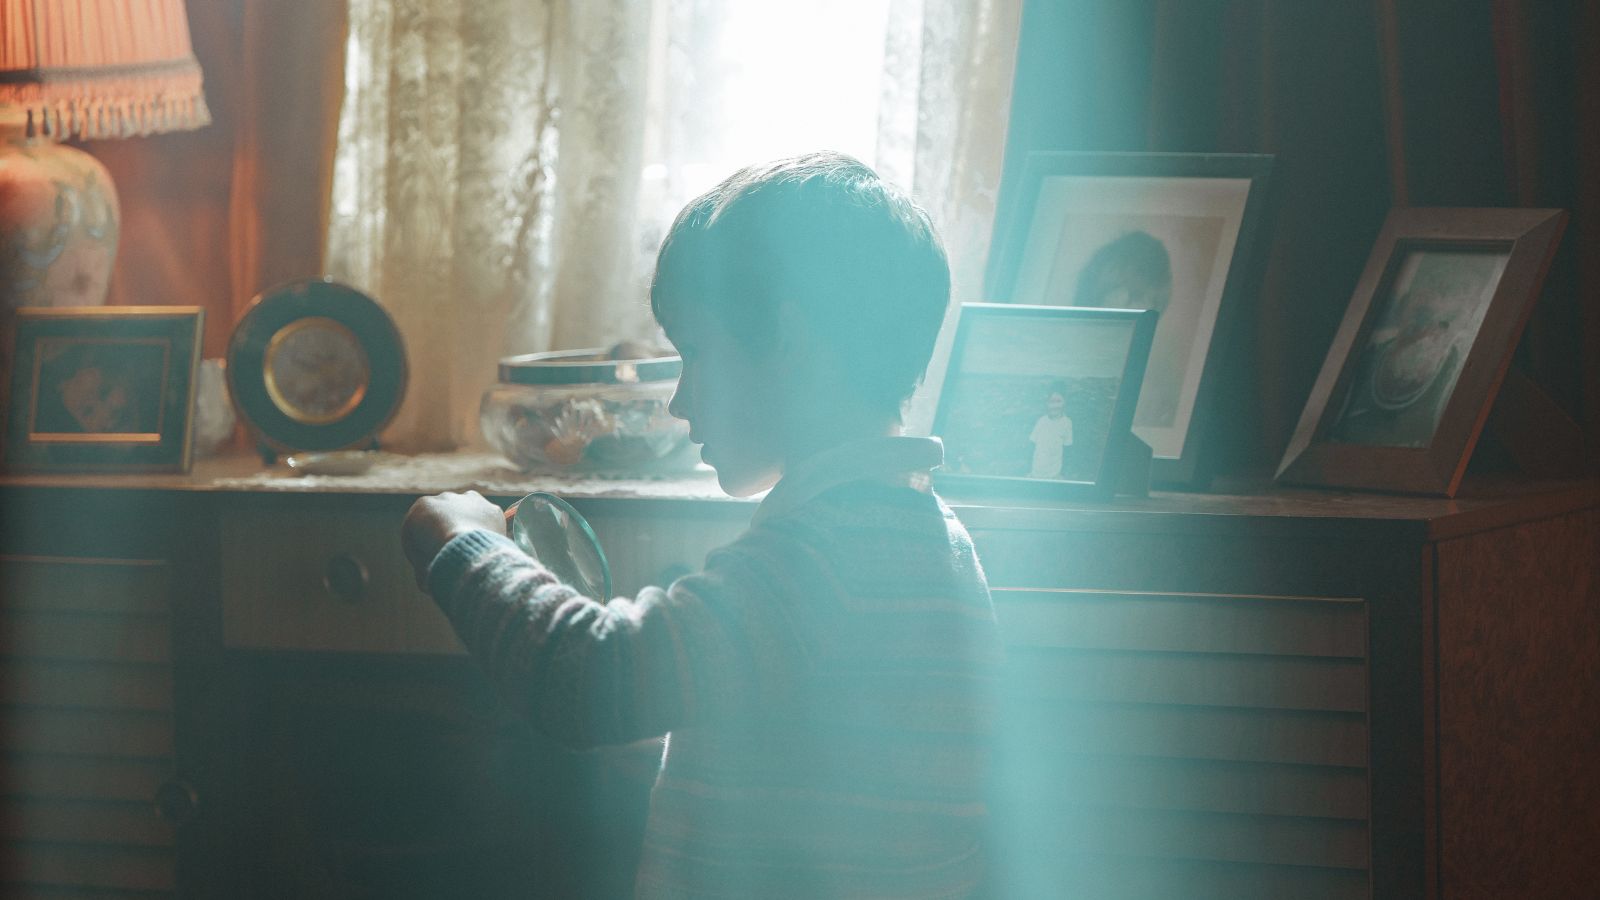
1174, 233
1422, 350
1039, 400
102, 388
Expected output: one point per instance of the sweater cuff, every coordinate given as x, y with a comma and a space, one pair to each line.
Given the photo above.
451, 564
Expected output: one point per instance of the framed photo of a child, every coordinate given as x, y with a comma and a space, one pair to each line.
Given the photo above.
1171, 232
1040, 399
102, 388
1425, 343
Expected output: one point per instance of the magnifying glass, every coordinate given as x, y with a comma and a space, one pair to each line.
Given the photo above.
548, 529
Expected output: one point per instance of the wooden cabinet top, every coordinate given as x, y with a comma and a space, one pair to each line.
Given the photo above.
1231, 509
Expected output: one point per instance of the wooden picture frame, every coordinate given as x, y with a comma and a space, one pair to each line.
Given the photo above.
1016, 372
105, 389
1179, 232
1425, 343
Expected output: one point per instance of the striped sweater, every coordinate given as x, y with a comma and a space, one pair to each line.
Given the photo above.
827, 681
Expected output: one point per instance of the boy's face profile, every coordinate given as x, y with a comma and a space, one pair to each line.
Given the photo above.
1055, 405
730, 397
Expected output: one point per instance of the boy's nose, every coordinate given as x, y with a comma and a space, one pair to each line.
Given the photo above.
677, 406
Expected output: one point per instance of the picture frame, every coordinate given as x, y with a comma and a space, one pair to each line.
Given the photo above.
1424, 345
1038, 401
103, 389
1178, 232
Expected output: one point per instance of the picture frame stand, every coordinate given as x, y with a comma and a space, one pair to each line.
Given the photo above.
1534, 432
1131, 474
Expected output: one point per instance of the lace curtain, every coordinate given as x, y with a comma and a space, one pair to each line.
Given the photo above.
505, 169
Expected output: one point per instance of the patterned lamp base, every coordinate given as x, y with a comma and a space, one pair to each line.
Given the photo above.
58, 228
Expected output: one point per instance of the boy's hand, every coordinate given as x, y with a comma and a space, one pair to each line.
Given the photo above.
433, 522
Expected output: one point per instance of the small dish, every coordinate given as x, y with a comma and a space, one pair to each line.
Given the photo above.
340, 462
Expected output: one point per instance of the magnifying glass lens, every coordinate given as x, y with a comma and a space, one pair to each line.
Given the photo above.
551, 531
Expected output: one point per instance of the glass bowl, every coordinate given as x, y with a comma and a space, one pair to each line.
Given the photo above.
581, 412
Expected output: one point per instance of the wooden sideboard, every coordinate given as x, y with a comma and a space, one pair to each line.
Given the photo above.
1257, 694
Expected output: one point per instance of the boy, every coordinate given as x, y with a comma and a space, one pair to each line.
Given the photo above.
828, 680
1051, 435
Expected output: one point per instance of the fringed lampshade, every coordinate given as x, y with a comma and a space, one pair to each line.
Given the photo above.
89, 69
100, 68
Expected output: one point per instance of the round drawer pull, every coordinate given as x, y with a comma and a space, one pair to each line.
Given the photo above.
176, 801
346, 578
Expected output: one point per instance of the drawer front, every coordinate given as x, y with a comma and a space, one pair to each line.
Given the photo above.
333, 578
1167, 733
86, 684
1174, 563
299, 578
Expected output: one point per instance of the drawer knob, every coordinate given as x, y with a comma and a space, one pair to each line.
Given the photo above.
176, 801
346, 578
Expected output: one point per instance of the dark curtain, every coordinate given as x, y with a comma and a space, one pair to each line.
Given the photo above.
211, 217
1367, 105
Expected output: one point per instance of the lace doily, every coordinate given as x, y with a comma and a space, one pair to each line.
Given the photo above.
430, 473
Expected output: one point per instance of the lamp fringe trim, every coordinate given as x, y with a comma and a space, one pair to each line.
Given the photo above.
100, 68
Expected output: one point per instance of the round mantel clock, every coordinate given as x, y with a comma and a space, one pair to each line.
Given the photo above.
316, 365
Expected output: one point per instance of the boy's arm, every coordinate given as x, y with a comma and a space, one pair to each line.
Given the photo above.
588, 673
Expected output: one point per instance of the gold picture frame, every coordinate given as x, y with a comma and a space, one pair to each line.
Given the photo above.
102, 389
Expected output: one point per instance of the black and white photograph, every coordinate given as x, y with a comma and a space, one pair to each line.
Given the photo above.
1035, 392
1423, 333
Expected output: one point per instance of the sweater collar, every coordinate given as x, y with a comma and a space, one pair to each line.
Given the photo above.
896, 460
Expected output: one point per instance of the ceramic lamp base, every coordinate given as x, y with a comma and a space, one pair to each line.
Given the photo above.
58, 225
58, 228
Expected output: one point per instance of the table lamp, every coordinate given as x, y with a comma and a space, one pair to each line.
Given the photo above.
90, 69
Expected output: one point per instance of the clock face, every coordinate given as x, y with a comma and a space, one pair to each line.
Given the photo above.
316, 370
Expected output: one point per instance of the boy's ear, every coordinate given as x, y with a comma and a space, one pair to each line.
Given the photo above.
796, 342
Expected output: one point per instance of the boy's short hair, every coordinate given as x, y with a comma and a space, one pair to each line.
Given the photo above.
862, 261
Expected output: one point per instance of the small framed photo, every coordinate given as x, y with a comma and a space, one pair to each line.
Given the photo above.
1172, 232
1424, 345
103, 388
1039, 400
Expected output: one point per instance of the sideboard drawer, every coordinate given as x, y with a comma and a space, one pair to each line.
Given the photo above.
1188, 563
1184, 729
299, 574
324, 579
1168, 622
